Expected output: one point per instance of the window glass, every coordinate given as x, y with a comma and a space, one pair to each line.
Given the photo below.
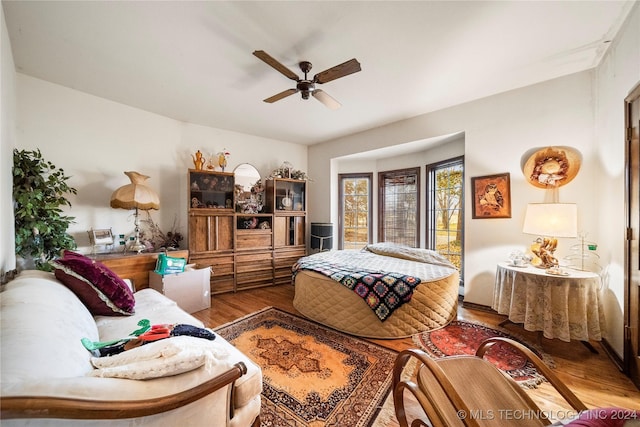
400, 206
445, 216
355, 210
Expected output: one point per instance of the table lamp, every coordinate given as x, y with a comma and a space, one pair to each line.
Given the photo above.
135, 195
549, 221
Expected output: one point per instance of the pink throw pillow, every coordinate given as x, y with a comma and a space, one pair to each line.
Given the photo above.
604, 417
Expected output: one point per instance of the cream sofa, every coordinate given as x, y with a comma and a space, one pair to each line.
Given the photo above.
46, 372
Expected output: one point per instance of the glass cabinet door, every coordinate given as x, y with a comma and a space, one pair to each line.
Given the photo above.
288, 195
211, 190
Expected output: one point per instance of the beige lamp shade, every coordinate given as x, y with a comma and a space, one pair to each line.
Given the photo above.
551, 219
136, 195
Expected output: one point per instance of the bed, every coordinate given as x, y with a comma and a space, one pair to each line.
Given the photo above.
329, 290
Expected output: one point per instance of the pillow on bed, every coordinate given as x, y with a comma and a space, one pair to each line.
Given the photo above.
99, 288
406, 252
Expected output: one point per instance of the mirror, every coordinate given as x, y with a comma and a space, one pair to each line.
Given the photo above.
249, 189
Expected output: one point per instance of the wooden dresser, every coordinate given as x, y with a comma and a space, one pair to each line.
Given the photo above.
136, 266
245, 249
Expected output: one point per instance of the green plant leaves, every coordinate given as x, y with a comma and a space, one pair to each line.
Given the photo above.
39, 191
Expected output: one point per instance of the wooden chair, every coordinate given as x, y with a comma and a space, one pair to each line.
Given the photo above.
470, 391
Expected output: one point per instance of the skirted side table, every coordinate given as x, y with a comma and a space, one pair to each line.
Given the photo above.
563, 307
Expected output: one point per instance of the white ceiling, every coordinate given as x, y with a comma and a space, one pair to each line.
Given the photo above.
192, 61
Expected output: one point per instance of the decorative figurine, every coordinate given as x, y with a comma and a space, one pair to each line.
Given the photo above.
210, 165
198, 160
264, 225
222, 158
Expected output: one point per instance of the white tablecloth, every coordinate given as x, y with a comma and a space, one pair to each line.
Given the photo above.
562, 307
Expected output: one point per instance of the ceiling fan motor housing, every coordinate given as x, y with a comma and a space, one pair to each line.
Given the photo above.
306, 87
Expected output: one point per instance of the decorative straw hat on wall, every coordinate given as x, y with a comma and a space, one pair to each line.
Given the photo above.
551, 167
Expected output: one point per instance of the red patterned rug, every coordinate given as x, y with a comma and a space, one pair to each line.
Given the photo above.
463, 338
312, 375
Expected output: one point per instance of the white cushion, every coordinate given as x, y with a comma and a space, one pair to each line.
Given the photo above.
42, 324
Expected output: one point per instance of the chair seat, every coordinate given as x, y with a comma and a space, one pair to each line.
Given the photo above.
493, 399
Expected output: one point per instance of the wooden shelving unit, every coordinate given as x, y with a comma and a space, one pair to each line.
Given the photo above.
287, 200
245, 250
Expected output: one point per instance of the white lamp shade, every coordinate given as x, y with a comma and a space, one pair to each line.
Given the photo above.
551, 219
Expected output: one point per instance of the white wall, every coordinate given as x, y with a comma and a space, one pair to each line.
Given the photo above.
95, 140
7, 143
617, 74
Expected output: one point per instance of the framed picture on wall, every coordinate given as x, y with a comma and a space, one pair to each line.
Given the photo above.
491, 196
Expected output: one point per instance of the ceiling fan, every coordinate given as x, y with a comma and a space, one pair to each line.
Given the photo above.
308, 86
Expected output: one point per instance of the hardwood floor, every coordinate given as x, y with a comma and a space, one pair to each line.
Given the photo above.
594, 378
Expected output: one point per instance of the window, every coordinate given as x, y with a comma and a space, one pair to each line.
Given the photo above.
445, 217
355, 210
399, 207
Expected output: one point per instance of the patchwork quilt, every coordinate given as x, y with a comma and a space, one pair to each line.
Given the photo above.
383, 292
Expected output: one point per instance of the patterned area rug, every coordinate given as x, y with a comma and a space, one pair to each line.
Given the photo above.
313, 375
462, 337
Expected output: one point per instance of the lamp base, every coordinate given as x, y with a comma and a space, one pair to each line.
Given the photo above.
136, 246
543, 249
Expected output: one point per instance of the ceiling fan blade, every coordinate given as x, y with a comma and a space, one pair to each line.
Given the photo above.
281, 95
275, 64
327, 100
344, 69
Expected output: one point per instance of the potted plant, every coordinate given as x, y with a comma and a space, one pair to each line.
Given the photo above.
39, 192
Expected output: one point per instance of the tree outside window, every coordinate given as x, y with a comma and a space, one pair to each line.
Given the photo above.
355, 210
445, 202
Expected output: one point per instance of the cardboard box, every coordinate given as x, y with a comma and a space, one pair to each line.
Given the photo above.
191, 289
